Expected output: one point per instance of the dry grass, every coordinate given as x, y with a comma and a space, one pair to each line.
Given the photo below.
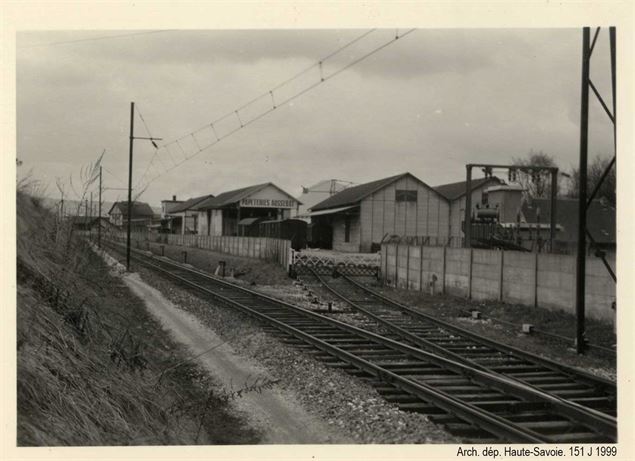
89, 355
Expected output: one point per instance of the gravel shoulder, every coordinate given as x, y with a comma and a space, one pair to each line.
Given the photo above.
351, 410
274, 413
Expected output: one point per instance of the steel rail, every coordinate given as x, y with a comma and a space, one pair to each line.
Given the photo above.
574, 409
553, 365
489, 421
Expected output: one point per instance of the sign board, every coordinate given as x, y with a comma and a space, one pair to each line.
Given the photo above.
267, 203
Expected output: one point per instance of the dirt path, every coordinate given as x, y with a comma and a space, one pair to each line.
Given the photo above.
275, 413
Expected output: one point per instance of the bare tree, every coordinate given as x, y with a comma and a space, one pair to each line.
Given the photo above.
595, 171
536, 184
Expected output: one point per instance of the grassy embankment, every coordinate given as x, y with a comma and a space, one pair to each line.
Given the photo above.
93, 368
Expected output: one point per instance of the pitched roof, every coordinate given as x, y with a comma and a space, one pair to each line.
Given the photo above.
353, 195
138, 208
189, 203
233, 196
456, 190
600, 218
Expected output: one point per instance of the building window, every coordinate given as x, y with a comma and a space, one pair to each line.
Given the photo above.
347, 228
405, 195
484, 198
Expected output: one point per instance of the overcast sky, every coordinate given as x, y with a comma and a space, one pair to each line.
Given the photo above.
428, 103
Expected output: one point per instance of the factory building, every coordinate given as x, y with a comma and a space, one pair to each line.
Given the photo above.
455, 194
360, 217
229, 212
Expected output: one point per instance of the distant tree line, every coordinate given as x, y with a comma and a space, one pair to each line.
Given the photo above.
538, 185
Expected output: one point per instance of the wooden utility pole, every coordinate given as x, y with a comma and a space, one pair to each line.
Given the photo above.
62, 206
90, 218
129, 227
99, 213
132, 138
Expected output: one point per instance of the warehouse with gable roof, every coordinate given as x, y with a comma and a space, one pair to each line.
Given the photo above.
360, 217
222, 215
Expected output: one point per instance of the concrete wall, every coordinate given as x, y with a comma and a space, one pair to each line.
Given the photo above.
544, 280
457, 271
270, 249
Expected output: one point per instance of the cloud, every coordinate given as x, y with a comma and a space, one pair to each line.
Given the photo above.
428, 103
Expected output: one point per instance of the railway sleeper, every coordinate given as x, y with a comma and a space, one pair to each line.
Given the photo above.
463, 430
505, 369
568, 393
480, 396
540, 380
385, 356
400, 398
579, 437
552, 427
594, 402
421, 374
422, 407
511, 406
563, 386
444, 381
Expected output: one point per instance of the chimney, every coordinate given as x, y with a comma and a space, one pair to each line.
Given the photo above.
174, 198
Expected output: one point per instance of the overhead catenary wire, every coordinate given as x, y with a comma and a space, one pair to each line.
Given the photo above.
156, 151
92, 39
214, 123
274, 104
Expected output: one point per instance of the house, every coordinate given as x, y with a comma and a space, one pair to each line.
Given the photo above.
168, 205
455, 194
142, 214
184, 219
222, 215
361, 217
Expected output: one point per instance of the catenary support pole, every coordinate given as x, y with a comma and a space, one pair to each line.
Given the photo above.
130, 187
580, 341
99, 213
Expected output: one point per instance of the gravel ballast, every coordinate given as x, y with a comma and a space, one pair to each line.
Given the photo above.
345, 403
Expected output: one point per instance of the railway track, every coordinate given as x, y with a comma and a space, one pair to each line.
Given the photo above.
471, 403
434, 335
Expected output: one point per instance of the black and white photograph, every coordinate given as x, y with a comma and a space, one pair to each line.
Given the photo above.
320, 237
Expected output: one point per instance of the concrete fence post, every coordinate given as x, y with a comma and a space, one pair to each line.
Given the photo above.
408, 267
384, 254
469, 277
396, 265
421, 268
502, 271
536, 281
443, 269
